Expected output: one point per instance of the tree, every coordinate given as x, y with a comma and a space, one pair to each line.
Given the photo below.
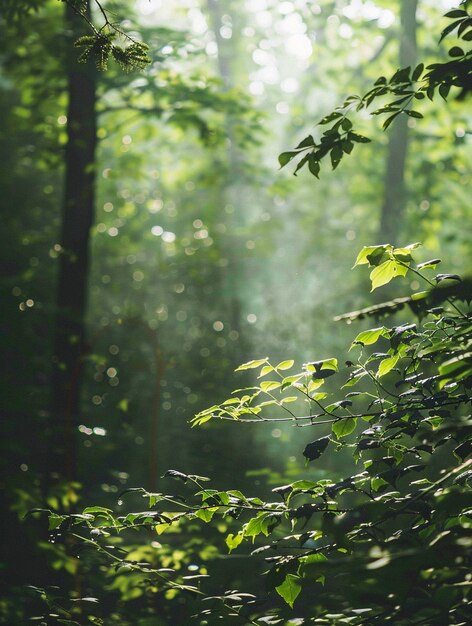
407, 86
77, 219
183, 102
369, 547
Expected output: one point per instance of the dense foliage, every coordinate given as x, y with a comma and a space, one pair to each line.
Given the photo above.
371, 523
399, 94
367, 548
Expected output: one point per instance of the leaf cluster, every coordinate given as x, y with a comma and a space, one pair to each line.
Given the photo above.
399, 94
361, 550
100, 47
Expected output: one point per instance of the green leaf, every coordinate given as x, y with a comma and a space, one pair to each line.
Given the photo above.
201, 418
289, 380
336, 155
412, 113
359, 138
97, 509
322, 369
428, 264
306, 143
456, 52
404, 254
344, 427
288, 399
387, 365
456, 13
285, 365
233, 541
261, 524
266, 370
290, 589
444, 90
303, 484
312, 565
315, 384
316, 448
286, 157
389, 120
330, 118
313, 164
369, 337
261, 405
55, 520
301, 163
270, 385
401, 76
386, 272
251, 364
417, 72
206, 514
372, 255
347, 146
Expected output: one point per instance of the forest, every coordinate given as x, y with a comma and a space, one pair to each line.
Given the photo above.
235, 322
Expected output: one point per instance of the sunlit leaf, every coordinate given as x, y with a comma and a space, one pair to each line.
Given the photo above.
55, 521
251, 364
386, 272
372, 255
290, 589
368, 337
388, 364
344, 427
206, 514
233, 541
266, 370
285, 365
270, 385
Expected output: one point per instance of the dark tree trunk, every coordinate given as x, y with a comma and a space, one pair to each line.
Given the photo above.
393, 206
77, 217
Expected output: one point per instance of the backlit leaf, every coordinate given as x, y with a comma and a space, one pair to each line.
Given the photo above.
386, 272
387, 365
369, 337
251, 364
285, 365
290, 589
344, 427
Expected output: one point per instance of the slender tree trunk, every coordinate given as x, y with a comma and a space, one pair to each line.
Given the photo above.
231, 193
393, 206
77, 217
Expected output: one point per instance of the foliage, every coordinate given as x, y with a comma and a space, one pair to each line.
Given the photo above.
100, 44
157, 286
366, 549
408, 86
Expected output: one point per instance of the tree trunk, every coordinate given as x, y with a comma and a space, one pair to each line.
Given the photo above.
77, 217
394, 186
231, 193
